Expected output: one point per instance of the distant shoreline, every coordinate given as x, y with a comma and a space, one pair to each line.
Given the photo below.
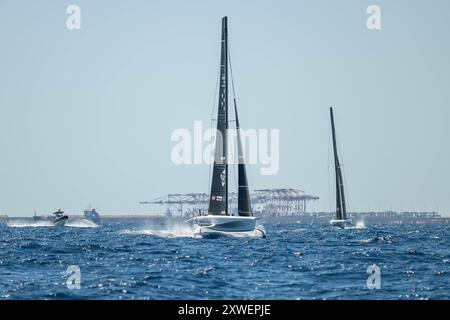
307, 218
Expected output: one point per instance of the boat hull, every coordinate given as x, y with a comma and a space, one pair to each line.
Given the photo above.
59, 222
213, 226
341, 223
210, 233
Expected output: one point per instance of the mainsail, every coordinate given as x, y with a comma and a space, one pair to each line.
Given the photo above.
341, 212
218, 202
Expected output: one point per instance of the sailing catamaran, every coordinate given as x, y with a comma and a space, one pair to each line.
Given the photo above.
341, 219
219, 221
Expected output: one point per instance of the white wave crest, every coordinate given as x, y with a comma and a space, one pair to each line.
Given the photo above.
29, 224
167, 231
83, 223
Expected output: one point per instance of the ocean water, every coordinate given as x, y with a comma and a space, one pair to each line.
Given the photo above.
154, 261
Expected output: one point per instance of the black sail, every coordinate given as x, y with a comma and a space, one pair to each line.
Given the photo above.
244, 205
341, 212
218, 201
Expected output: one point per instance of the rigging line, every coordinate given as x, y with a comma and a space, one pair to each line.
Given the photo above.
344, 182
211, 168
234, 98
234, 177
235, 152
330, 204
231, 73
342, 166
215, 94
234, 166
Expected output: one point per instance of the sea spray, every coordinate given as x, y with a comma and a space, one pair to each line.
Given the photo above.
165, 230
83, 223
29, 224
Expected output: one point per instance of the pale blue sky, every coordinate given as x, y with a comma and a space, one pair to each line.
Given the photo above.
86, 116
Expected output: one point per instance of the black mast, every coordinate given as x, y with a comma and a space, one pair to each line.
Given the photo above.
244, 205
218, 201
341, 212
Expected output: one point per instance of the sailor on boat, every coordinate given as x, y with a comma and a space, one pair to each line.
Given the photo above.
59, 219
341, 220
219, 221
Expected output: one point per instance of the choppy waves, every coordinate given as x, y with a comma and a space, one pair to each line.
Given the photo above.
165, 231
165, 261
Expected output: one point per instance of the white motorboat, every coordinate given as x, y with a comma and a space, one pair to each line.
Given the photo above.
59, 219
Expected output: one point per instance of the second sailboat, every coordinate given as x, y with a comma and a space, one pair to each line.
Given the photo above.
341, 220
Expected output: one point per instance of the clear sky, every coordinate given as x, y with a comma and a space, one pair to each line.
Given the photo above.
86, 116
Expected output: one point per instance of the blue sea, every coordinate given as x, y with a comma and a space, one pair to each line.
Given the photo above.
153, 261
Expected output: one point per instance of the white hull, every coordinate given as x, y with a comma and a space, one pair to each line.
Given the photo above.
235, 226
206, 232
341, 223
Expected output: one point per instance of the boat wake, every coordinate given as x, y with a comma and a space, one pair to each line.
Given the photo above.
357, 226
83, 223
360, 224
167, 231
186, 231
29, 224
47, 223
290, 231
377, 239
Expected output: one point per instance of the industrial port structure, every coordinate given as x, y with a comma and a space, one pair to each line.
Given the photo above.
266, 202
284, 205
